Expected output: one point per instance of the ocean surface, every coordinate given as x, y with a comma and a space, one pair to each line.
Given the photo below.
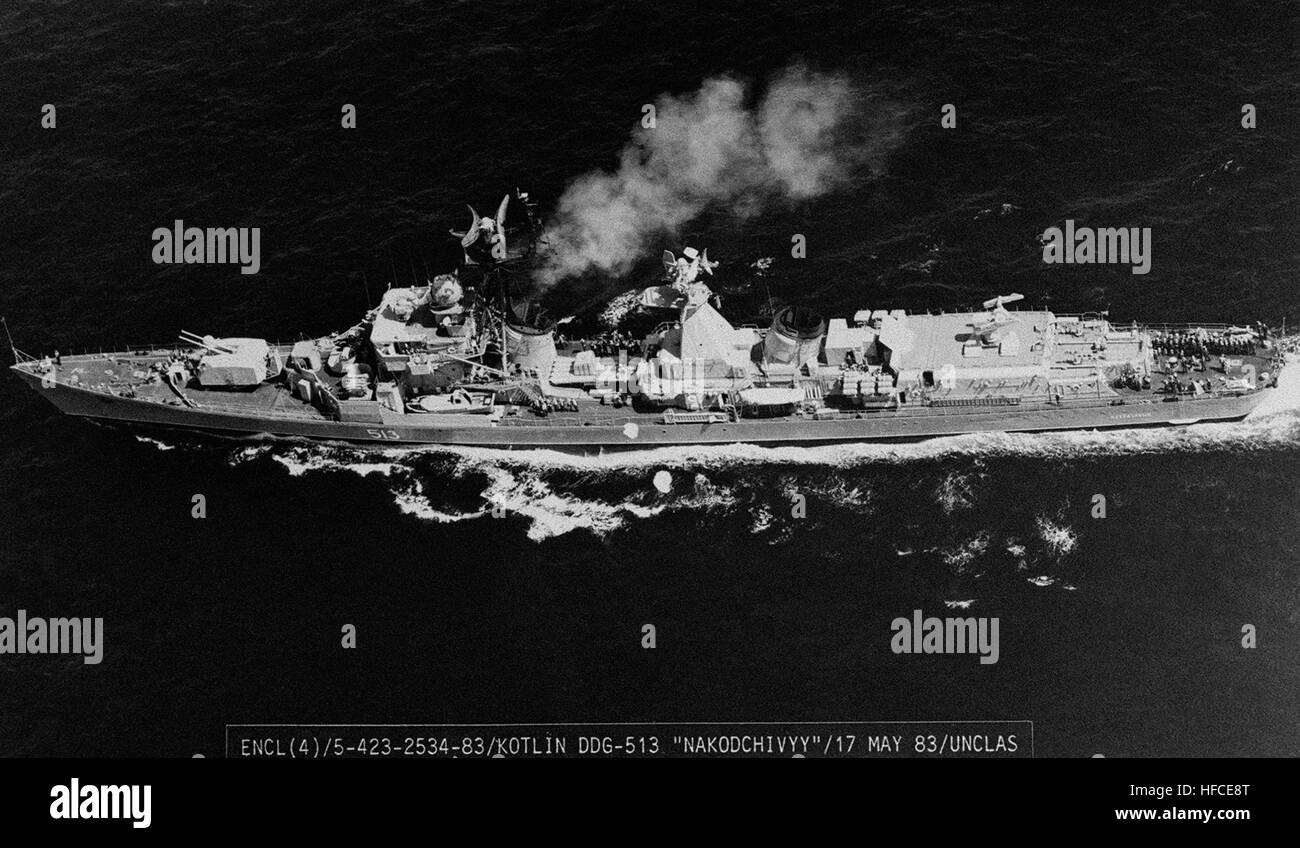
1119, 636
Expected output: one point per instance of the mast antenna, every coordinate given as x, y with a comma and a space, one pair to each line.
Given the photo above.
10, 337
505, 339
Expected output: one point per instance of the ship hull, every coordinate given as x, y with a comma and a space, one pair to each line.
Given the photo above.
637, 430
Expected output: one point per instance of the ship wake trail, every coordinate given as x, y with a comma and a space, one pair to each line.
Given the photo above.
550, 494
806, 135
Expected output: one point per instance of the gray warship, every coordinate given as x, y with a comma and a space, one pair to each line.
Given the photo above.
443, 363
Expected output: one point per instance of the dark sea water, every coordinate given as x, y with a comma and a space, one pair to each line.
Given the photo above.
1118, 636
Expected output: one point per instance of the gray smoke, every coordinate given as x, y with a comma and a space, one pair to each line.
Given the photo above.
807, 134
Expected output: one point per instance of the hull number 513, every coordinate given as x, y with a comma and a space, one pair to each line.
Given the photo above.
390, 435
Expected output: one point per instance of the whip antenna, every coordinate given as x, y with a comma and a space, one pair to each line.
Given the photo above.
10, 337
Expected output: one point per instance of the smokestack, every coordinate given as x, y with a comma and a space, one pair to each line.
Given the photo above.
795, 337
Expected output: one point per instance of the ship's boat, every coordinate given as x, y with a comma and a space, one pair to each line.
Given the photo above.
456, 402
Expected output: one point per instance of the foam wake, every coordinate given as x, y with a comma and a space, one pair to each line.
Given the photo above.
556, 493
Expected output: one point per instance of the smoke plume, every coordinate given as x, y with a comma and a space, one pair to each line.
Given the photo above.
807, 134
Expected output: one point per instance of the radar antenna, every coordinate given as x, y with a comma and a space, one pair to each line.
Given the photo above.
997, 302
989, 325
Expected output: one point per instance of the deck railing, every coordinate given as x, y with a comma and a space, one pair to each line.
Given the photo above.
134, 350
